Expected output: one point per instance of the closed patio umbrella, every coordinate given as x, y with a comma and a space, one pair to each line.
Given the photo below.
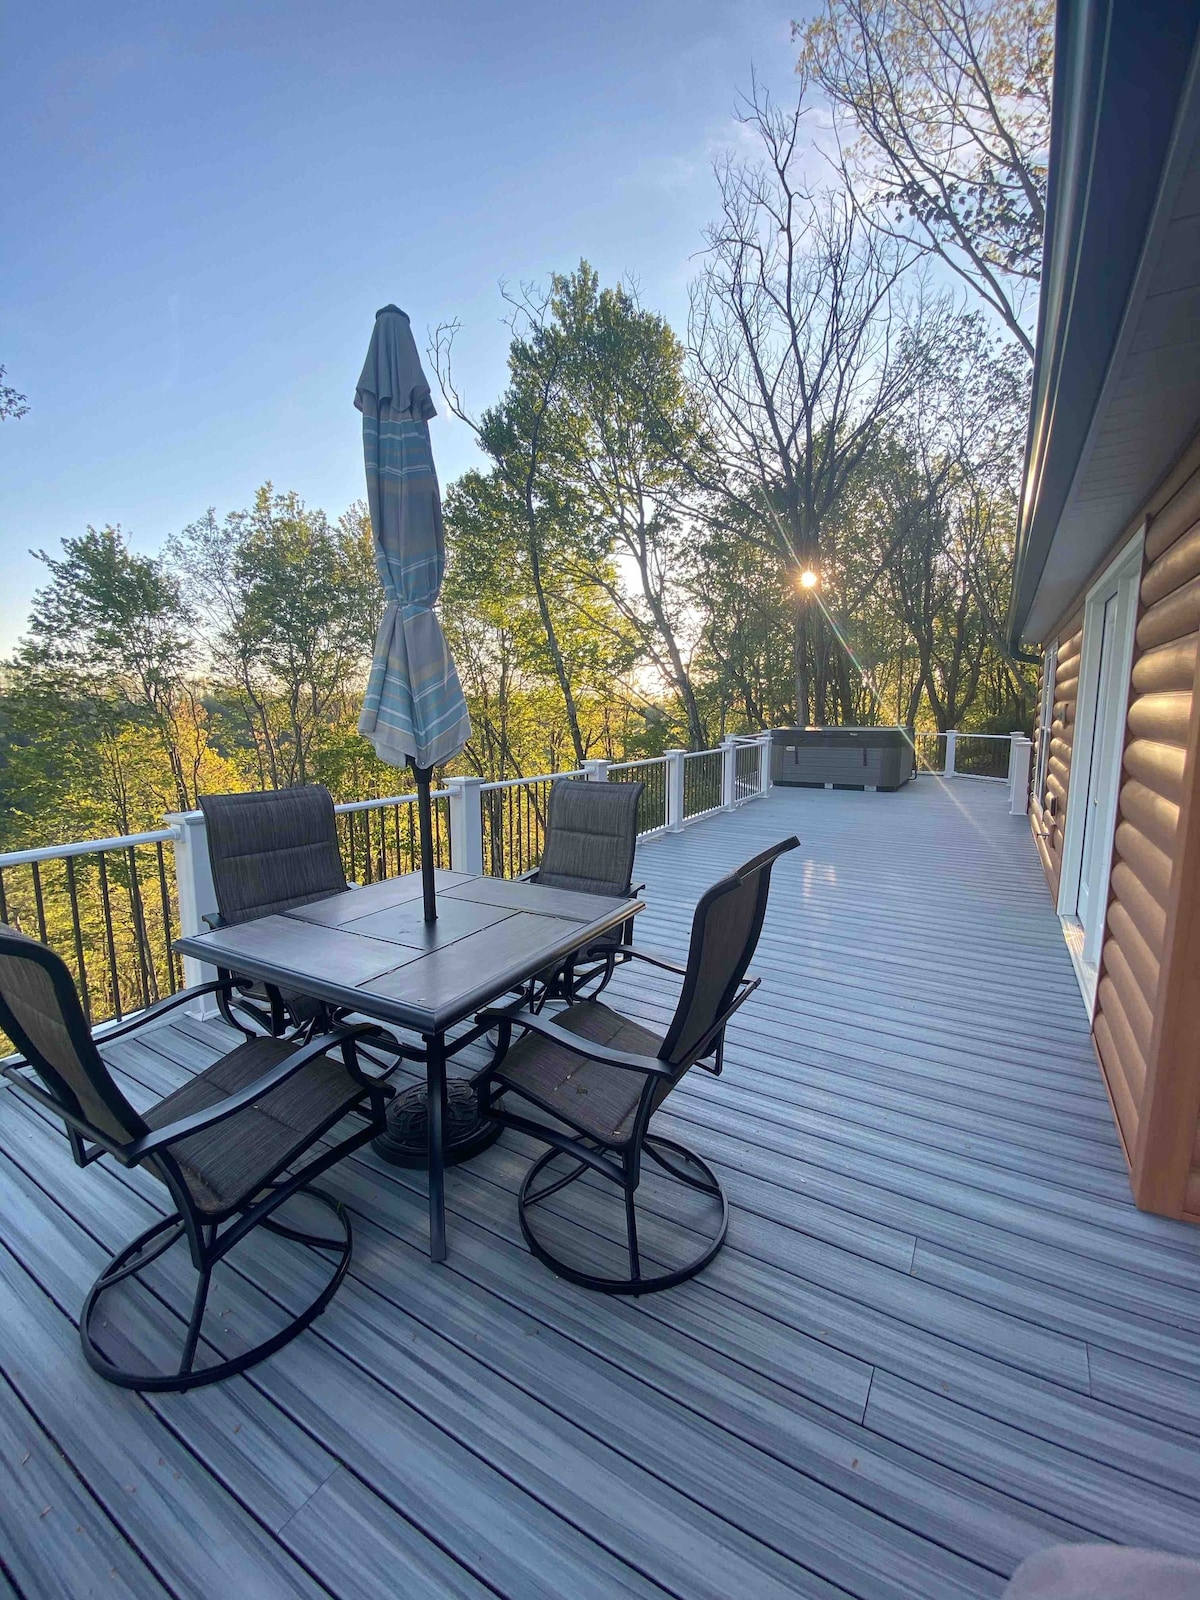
414, 711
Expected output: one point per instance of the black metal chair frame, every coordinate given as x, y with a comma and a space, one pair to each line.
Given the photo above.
210, 1235
620, 1163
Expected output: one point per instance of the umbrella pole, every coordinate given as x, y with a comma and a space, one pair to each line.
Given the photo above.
425, 822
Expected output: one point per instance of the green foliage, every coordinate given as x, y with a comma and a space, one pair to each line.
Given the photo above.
12, 403
289, 603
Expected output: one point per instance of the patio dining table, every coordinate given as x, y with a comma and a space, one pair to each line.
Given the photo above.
370, 951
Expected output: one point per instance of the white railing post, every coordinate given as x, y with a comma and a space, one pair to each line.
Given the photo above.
197, 897
951, 752
596, 771
674, 790
1020, 759
466, 823
729, 771
766, 745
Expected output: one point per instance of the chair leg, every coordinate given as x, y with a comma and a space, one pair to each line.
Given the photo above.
702, 1180
576, 1171
203, 1280
654, 1148
229, 1017
155, 1241
631, 1236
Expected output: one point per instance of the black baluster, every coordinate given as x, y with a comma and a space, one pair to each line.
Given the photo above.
77, 932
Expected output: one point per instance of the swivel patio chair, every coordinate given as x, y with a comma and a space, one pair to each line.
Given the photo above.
225, 1147
270, 850
604, 1076
591, 837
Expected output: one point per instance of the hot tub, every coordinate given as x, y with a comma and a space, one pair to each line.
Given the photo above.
841, 758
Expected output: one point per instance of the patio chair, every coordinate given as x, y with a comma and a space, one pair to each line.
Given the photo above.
225, 1147
603, 1076
270, 850
591, 836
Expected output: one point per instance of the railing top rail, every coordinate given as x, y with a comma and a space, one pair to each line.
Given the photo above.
540, 777
176, 820
642, 761
85, 847
343, 806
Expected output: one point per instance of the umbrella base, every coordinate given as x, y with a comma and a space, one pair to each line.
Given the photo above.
466, 1132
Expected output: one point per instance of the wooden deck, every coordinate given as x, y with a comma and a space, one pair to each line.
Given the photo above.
940, 1336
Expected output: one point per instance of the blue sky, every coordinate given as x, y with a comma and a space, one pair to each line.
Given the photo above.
205, 204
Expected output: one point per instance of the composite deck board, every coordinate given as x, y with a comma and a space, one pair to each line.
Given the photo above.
78, 1550
940, 1336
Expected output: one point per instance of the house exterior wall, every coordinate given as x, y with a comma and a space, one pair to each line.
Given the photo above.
1048, 811
1146, 1026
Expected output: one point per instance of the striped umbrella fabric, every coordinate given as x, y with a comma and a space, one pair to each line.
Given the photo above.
414, 709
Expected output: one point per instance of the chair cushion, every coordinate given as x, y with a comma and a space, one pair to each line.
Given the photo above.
1104, 1572
591, 837
588, 1095
226, 1165
272, 850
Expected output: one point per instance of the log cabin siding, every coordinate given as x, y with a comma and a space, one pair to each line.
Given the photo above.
1050, 807
1166, 1164
1146, 1021
1134, 970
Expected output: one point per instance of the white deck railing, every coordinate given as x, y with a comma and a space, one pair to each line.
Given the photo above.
989, 757
112, 907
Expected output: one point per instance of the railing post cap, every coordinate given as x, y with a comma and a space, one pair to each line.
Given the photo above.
183, 819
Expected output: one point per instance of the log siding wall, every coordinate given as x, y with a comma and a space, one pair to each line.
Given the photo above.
1049, 809
1146, 1026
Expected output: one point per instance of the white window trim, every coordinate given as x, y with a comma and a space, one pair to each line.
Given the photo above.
1123, 574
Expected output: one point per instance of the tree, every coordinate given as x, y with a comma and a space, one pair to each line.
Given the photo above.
12, 403
494, 610
115, 630
632, 454
528, 435
933, 516
743, 594
799, 345
943, 112
288, 601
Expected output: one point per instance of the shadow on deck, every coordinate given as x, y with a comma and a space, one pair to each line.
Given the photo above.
940, 1337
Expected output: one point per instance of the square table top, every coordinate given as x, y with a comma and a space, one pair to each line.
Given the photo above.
370, 949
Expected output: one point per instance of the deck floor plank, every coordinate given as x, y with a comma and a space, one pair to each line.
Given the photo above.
61, 1541
941, 1335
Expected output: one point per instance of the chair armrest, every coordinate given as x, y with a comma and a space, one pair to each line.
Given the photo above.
229, 1107
528, 876
535, 1022
151, 1013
